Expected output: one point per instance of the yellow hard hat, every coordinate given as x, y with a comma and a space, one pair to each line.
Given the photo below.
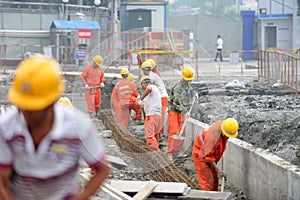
230, 127
37, 83
145, 79
124, 71
98, 60
130, 77
153, 64
188, 73
65, 100
146, 65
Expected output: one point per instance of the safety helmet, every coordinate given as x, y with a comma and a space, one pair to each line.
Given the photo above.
145, 79
153, 64
188, 73
146, 66
230, 127
130, 77
124, 71
65, 100
98, 60
37, 83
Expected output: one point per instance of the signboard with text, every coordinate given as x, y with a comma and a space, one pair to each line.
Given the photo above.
85, 34
80, 54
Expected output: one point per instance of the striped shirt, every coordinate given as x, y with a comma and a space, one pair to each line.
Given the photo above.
49, 172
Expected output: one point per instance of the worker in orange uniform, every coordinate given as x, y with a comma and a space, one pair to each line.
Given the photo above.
152, 105
208, 149
180, 100
147, 70
133, 104
121, 95
93, 78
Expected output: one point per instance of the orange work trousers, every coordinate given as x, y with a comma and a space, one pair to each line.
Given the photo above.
123, 114
175, 121
152, 127
133, 105
207, 175
93, 99
164, 104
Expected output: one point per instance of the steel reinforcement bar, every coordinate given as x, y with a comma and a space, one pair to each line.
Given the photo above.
148, 158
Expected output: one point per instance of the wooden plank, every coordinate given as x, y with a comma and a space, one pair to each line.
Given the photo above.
211, 195
145, 191
162, 187
116, 162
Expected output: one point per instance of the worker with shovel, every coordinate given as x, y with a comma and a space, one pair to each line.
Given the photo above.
180, 101
208, 149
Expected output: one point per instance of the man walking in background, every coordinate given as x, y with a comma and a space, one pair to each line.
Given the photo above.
93, 78
219, 45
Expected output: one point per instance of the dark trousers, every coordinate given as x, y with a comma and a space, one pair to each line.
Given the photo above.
219, 55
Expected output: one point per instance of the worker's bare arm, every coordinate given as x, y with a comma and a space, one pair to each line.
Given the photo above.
5, 191
146, 92
94, 183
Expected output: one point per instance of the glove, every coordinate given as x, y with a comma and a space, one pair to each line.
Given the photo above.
86, 86
221, 174
141, 103
102, 85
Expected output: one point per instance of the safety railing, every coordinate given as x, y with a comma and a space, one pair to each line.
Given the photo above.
68, 56
280, 67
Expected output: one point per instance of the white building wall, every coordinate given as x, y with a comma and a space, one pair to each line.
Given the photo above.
284, 32
277, 6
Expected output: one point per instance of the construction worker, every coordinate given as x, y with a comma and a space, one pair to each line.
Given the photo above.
180, 100
133, 104
151, 100
93, 78
65, 100
41, 141
154, 67
208, 149
147, 67
121, 95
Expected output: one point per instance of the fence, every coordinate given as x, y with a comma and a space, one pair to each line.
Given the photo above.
280, 67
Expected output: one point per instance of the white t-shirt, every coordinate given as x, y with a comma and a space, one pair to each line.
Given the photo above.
152, 102
219, 43
51, 170
159, 84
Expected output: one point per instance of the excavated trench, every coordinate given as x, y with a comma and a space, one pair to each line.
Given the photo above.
268, 118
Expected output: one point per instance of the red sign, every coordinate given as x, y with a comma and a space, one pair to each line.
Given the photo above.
84, 33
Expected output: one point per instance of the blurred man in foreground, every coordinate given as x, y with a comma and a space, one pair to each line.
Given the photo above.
41, 141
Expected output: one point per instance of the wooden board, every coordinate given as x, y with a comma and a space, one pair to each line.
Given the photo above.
162, 187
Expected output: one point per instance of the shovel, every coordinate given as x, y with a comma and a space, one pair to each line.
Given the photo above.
179, 136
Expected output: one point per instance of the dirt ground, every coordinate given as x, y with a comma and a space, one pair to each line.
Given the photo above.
268, 118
